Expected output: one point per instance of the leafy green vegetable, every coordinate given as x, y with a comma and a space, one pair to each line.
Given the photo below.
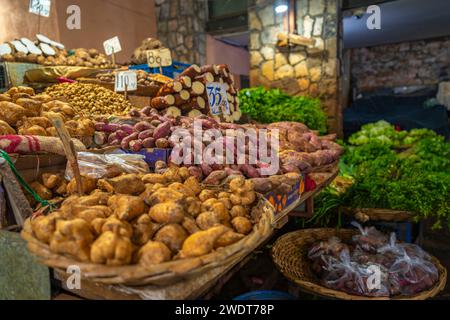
267, 106
416, 179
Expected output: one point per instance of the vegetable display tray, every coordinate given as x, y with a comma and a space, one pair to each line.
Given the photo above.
290, 256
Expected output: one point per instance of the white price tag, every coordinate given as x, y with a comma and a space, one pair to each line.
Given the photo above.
125, 78
159, 58
40, 7
112, 46
217, 98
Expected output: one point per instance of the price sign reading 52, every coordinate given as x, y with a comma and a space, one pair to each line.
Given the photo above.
217, 98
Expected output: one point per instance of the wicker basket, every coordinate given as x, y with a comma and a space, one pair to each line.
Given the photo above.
374, 214
289, 254
160, 274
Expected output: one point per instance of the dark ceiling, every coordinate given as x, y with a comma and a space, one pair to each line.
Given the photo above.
401, 20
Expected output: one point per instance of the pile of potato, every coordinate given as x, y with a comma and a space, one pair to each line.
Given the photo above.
147, 219
22, 112
90, 99
49, 186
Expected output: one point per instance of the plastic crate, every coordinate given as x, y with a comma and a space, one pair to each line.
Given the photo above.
171, 71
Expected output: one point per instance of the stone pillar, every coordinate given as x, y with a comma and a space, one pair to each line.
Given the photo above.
302, 70
181, 28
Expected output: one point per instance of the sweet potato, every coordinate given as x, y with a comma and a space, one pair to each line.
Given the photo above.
167, 212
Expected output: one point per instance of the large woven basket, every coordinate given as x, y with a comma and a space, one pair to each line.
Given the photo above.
159, 274
290, 256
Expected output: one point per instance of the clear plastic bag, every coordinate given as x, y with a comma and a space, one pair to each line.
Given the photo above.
370, 238
320, 252
107, 165
414, 274
343, 274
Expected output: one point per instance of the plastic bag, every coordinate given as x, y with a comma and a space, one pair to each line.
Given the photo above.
343, 274
107, 165
370, 238
321, 251
414, 274
397, 248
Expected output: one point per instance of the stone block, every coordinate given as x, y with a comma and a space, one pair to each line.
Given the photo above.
301, 70
318, 22
303, 84
316, 7
253, 21
307, 26
255, 58
255, 43
266, 15
286, 71
296, 57
268, 53
315, 74
267, 70
280, 60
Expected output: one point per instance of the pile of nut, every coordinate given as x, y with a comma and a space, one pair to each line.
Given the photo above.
90, 99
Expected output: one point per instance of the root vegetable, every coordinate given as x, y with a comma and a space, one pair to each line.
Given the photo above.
194, 113
170, 87
148, 143
193, 206
173, 112
202, 242
238, 211
206, 194
228, 238
127, 207
242, 225
197, 88
190, 225
162, 102
135, 145
172, 235
168, 212
111, 249
87, 185
51, 180
142, 126
146, 134
143, 230
162, 130
153, 252
162, 143
191, 71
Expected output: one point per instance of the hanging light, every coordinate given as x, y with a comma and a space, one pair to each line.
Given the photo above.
281, 8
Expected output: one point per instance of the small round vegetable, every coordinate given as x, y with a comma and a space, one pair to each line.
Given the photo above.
242, 225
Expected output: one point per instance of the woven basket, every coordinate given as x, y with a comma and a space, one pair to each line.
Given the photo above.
159, 274
290, 256
374, 214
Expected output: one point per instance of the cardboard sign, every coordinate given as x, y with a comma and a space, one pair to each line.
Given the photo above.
217, 98
5, 49
40, 7
126, 79
112, 46
159, 58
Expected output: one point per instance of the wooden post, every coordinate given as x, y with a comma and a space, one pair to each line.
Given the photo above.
126, 91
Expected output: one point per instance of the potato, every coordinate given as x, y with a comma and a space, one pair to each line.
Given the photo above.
165, 195
192, 184
202, 242
154, 178
33, 131
111, 249
72, 238
113, 224
190, 225
206, 194
178, 186
124, 184
153, 252
167, 212
5, 128
88, 185
172, 235
143, 230
44, 226
11, 113
207, 219
193, 206
127, 207
228, 238
32, 107
42, 191
51, 180
242, 225
238, 211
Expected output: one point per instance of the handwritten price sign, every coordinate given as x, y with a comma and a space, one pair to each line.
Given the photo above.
159, 58
217, 98
125, 80
40, 7
112, 46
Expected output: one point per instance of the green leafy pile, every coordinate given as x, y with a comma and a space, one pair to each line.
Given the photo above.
267, 106
416, 179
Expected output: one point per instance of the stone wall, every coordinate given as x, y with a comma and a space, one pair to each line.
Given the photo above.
424, 62
302, 70
181, 28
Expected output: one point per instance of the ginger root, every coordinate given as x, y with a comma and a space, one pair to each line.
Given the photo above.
113, 224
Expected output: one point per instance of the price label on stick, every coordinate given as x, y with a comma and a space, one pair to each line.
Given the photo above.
126, 79
40, 7
112, 46
217, 98
159, 58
